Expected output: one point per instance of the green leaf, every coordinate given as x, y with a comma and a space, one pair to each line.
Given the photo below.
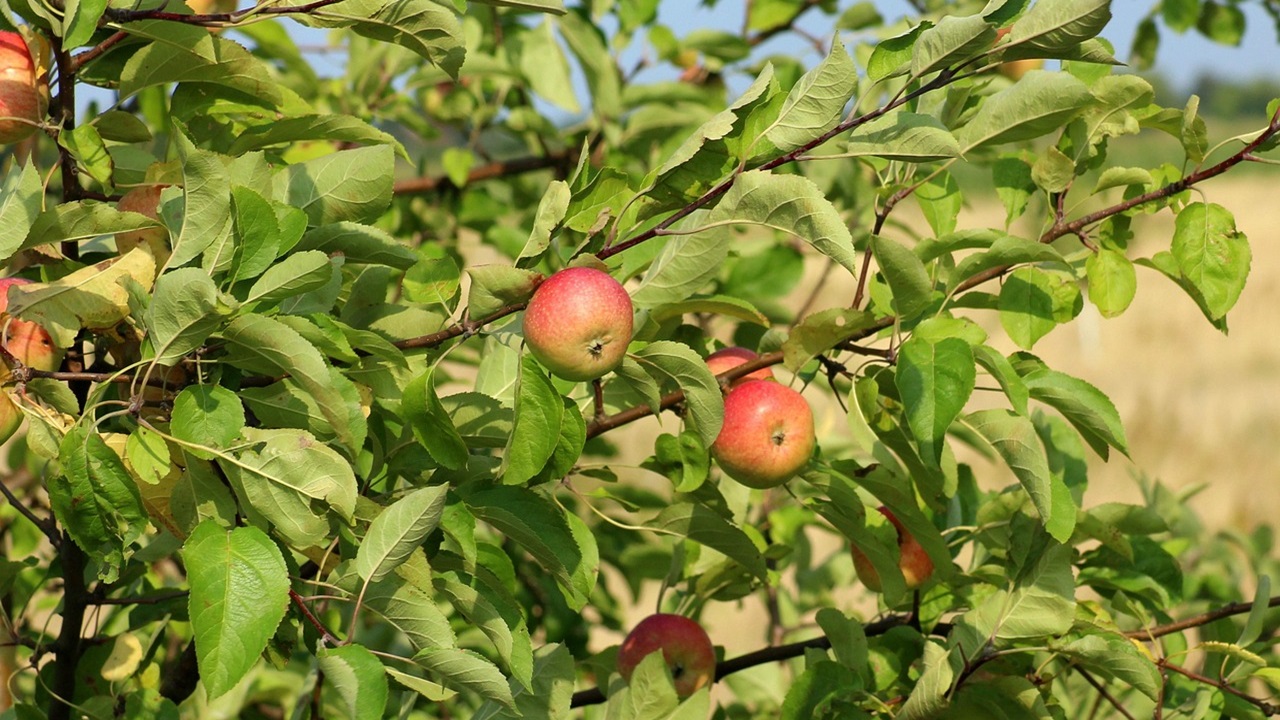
21, 200
1002, 370
466, 670
291, 481
1053, 171
1114, 177
296, 274
704, 403
359, 244
93, 297
1041, 603
905, 136
1034, 301
555, 7
239, 592
706, 527
1012, 179
1061, 25
183, 314
83, 17
348, 185
722, 305
1005, 251
429, 29
544, 530
121, 126
928, 699
148, 455
847, 637
1083, 405
1112, 281
1257, 612
538, 415
816, 102
431, 423
494, 287
358, 676
409, 607
912, 288
1036, 105
819, 682
86, 146
951, 41
206, 201
935, 380
588, 44
791, 204
551, 211
940, 201
891, 56
181, 53
1222, 23
96, 500
432, 692
201, 494
255, 240
268, 346
1015, 440
510, 639
287, 404
544, 66
547, 696
1212, 255
688, 262
820, 332
333, 128
1117, 657
399, 530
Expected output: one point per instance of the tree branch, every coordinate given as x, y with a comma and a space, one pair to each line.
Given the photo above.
1267, 708
494, 170
595, 696
121, 16
1225, 611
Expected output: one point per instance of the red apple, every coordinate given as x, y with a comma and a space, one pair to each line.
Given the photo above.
912, 559
767, 436
684, 645
731, 357
26, 341
20, 98
31, 345
578, 323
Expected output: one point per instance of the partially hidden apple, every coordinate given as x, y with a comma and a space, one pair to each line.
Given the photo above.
578, 323
144, 200
731, 357
684, 645
31, 345
21, 102
912, 559
767, 436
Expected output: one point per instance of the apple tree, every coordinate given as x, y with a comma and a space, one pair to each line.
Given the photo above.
362, 354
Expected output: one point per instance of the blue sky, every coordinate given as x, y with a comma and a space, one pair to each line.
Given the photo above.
1181, 57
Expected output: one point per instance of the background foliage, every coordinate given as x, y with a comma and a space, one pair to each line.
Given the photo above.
297, 464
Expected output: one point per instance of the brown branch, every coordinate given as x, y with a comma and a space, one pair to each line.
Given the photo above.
784, 26
494, 170
328, 637
116, 15
67, 647
466, 327
98, 50
47, 527
1267, 708
595, 696
1103, 693
1225, 611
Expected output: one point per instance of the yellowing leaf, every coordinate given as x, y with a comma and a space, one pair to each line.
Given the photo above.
92, 297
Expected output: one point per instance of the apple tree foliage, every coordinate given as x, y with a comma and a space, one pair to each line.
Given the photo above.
298, 463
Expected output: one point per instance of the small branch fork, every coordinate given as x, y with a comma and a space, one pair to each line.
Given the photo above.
595, 696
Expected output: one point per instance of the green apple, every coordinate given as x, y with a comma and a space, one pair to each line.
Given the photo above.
684, 645
767, 436
578, 323
912, 559
731, 357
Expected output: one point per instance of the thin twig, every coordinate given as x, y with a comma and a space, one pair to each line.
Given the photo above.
1267, 708
1158, 631
1103, 693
